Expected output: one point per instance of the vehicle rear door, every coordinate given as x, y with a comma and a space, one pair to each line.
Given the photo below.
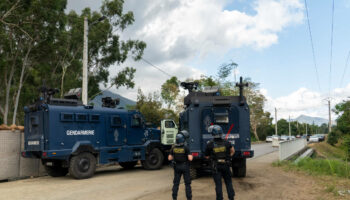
34, 131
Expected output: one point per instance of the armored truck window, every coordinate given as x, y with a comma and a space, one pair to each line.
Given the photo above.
80, 117
136, 121
67, 117
169, 124
116, 121
94, 118
34, 121
221, 118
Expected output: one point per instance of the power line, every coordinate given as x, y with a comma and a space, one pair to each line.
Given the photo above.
146, 61
345, 68
312, 46
331, 56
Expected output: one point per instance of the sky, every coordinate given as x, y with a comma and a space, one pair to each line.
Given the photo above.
268, 39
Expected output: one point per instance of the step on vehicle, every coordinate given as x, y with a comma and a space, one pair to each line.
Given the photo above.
73, 138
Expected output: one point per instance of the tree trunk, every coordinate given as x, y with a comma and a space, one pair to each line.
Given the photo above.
64, 70
1, 110
7, 96
255, 132
24, 66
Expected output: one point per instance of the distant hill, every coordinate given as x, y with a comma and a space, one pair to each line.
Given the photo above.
97, 101
310, 120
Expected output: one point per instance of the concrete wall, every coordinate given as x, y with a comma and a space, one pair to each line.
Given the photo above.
12, 164
290, 148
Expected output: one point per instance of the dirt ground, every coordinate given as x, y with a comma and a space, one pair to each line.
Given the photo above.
262, 182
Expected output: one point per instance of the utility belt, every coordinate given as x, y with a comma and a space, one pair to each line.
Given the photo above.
174, 163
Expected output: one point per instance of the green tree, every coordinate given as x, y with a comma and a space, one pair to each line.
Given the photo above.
343, 121
39, 41
170, 91
283, 127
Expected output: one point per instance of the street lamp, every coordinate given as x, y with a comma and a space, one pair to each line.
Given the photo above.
85, 58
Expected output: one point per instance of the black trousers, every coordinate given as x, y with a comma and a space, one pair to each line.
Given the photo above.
223, 170
179, 170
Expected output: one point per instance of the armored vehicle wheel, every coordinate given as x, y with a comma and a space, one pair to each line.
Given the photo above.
128, 165
193, 172
154, 160
56, 171
82, 165
239, 168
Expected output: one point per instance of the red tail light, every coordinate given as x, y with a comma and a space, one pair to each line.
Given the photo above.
44, 154
195, 154
23, 154
246, 153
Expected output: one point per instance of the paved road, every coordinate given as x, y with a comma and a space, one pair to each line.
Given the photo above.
262, 149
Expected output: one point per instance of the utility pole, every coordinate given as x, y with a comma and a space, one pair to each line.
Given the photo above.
306, 129
298, 128
276, 133
85, 63
330, 118
85, 58
289, 127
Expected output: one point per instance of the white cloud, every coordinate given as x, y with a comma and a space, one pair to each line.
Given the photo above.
180, 31
177, 31
184, 28
305, 102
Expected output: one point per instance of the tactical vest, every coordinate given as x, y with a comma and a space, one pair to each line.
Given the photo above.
219, 150
180, 155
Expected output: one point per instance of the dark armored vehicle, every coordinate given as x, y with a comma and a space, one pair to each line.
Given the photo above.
70, 137
206, 108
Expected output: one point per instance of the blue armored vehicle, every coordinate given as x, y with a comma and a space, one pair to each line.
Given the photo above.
70, 137
208, 107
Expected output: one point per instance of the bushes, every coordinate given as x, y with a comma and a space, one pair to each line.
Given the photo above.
346, 144
324, 167
333, 137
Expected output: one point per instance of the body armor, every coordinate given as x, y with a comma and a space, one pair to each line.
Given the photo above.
180, 155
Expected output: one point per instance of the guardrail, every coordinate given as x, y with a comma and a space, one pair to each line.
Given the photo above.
290, 148
13, 165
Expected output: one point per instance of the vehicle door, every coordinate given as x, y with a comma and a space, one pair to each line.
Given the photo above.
116, 134
169, 131
206, 121
136, 130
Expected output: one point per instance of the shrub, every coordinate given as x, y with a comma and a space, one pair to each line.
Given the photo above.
324, 167
333, 137
346, 144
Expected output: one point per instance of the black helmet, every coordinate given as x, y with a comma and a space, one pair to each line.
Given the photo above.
185, 134
180, 139
215, 130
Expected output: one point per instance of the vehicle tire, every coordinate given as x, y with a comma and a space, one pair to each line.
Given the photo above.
154, 159
128, 165
193, 172
239, 169
82, 165
56, 171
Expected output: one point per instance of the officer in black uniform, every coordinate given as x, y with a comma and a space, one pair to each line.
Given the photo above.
220, 152
181, 157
